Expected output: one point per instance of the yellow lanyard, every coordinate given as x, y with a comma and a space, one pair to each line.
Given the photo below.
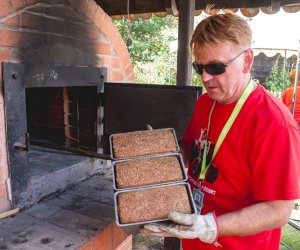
225, 129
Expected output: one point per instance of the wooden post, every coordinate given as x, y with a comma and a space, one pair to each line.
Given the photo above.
185, 30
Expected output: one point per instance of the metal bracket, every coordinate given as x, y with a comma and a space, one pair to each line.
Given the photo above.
275, 5
23, 146
172, 9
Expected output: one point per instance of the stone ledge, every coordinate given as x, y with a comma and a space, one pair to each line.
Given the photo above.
81, 217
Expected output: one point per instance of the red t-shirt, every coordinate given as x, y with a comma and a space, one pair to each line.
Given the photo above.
257, 161
287, 99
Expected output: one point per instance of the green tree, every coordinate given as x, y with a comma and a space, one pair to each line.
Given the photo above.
150, 37
278, 79
196, 80
149, 52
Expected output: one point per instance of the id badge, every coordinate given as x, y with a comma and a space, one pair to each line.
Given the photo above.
198, 197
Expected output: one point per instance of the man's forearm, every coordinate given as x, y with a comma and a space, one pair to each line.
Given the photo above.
255, 218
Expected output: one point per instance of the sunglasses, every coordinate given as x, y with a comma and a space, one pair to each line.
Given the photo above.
214, 68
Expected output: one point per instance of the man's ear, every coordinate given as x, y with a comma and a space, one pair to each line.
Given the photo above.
248, 60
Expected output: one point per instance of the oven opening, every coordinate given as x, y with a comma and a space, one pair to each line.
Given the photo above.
60, 119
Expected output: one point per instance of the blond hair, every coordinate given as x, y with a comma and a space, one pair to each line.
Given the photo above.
292, 75
220, 28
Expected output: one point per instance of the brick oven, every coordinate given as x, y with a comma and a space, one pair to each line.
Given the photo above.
55, 56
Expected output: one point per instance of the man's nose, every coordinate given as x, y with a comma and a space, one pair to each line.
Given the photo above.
205, 76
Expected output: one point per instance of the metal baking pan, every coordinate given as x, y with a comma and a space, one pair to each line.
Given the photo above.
177, 155
134, 227
142, 155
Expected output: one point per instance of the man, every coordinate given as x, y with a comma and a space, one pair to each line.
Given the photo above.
242, 146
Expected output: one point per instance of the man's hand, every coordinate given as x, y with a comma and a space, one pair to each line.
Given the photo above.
187, 226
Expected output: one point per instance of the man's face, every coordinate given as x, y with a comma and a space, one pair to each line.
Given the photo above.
227, 87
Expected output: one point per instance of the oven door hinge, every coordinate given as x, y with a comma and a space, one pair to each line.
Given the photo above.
23, 146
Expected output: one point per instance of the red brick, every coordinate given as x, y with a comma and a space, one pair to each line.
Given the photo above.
2, 134
128, 70
2, 139
1, 159
118, 37
126, 244
120, 47
13, 21
99, 16
87, 246
45, 24
99, 48
31, 21
115, 64
5, 8
91, 10
4, 205
4, 55
3, 191
114, 33
1, 112
92, 33
17, 4
118, 236
32, 2
81, 6
82, 31
19, 39
72, 4
106, 26
1, 165
103, 240
131, 78
116, 76
125, 58
106, 61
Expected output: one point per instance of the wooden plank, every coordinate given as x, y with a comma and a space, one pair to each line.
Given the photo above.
9, 213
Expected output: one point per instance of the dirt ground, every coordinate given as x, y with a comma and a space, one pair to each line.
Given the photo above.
141, 242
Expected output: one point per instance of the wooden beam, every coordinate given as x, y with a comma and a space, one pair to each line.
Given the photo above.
185, 30
9, 213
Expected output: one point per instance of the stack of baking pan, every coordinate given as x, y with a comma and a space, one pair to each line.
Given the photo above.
149, 177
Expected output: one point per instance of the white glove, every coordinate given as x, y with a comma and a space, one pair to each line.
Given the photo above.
187, 226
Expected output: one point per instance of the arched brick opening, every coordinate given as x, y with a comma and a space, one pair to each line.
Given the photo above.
60, 32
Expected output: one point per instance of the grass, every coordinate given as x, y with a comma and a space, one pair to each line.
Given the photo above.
290, 237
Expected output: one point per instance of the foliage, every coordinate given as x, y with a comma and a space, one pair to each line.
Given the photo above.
150, 37
290, 237
150, 53
161, 71
278, 79
196, 81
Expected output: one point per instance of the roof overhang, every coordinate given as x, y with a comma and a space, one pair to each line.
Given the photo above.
147, 8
